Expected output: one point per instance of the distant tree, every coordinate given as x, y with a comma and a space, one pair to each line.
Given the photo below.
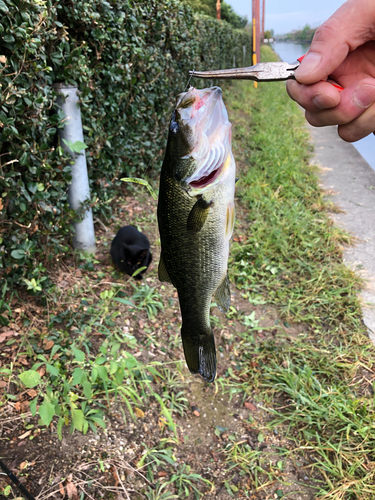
229, 15
304, 35
269, 34
208, 7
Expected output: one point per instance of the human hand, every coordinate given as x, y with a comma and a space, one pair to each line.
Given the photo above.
343, 51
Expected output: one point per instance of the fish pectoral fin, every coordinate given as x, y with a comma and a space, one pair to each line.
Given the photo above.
222, 294
198, 215
162, 271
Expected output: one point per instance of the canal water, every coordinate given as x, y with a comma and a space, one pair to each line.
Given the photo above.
289, 52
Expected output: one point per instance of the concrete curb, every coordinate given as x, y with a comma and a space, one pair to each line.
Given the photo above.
349, 182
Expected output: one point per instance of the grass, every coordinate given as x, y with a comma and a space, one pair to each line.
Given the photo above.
292, 256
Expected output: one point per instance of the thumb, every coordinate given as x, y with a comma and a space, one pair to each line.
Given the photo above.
352, 25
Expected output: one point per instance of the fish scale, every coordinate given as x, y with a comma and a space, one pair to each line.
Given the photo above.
196, 222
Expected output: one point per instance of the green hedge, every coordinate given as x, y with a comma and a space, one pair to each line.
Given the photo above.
130, 60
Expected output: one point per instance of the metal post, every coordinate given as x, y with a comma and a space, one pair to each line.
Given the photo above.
257, 28
263, 17
253, 12
79, 190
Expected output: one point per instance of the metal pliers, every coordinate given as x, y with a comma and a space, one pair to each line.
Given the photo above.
261, 72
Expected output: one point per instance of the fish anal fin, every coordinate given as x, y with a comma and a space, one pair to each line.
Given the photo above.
198, 215
222, 294
200, 353
162, 271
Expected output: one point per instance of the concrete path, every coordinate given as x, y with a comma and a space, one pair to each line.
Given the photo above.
350, 184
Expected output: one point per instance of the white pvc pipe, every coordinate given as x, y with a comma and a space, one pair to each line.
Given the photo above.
79, 190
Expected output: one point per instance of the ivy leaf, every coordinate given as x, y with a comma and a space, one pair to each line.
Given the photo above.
3, 7
75, 147
18, 254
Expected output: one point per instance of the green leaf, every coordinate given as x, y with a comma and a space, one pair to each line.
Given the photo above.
52, 370
78, 419
32, 406
46, 412
79, 376
94, 374
102, 371
86, 386
32, 186
79, 355
8, 39
78, 146
59, 427
18, 254
30, 378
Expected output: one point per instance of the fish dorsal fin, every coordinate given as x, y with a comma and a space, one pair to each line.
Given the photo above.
198, 215
222, 294
162, 271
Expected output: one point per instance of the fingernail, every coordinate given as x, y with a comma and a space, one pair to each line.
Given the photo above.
322, 101
364, 96
309, 64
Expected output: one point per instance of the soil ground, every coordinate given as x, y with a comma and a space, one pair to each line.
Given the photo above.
106, 464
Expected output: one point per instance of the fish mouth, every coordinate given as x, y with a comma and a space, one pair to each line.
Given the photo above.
212, 131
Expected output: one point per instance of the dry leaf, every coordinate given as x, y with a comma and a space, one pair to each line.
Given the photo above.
5, 335
71, 491
41, 371
250, 406
23, 465
162, 473
2, 384
61, 489
139, 413
25, 406
3, 59
32, 393
196, 413
49, 344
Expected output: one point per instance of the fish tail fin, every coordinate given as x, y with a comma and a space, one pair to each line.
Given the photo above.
200, 353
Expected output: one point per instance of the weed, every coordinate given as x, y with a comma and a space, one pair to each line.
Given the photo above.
185, 482
148, 298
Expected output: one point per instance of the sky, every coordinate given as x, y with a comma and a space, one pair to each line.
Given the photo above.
284, 16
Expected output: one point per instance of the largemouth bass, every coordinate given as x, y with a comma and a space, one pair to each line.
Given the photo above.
196, 218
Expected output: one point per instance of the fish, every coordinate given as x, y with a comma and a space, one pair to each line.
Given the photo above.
196, 218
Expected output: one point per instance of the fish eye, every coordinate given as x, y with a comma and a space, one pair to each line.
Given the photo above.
174, 127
